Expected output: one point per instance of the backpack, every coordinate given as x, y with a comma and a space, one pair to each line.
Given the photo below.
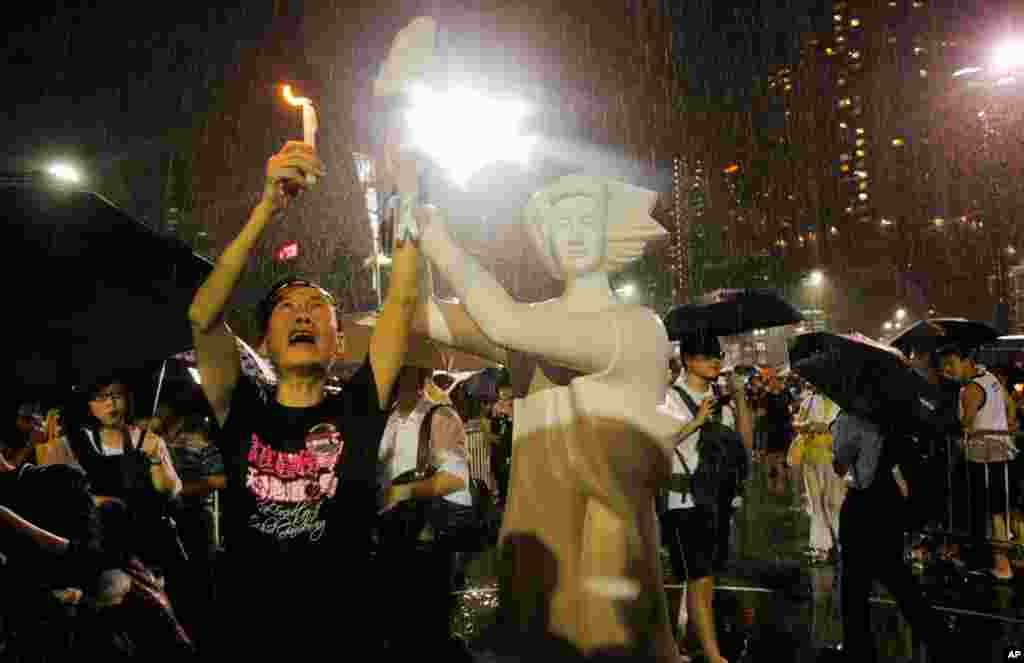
456, 527
723, 464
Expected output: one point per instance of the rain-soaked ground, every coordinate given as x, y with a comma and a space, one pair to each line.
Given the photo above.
770, 576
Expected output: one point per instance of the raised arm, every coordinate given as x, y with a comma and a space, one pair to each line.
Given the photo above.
216, 351
446, 322
389, 344
583, 341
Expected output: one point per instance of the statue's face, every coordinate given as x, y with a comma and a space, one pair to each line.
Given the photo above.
576, 235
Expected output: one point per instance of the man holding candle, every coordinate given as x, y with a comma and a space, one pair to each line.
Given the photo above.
301, 463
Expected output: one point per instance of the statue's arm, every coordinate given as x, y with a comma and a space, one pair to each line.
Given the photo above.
447, 323
585, 342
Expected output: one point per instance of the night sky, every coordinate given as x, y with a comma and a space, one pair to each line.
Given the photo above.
117, 89
104, 82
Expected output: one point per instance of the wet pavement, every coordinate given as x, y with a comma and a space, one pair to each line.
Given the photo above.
798, 603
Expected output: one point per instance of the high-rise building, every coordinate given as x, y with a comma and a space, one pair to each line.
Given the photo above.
889, 155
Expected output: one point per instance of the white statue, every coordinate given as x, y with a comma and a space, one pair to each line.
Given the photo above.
579, 534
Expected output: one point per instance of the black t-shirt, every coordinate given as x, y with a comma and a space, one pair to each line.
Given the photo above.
302, 484
776, 423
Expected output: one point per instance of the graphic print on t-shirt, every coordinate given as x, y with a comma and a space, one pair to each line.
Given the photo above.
290, 488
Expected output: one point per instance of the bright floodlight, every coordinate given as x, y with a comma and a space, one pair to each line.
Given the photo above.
901, 313
626, 290
887, 326
816, 277
464, 131
1008, 56
65, 173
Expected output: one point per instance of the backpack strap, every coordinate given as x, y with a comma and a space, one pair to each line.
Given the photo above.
690, 405
423, 449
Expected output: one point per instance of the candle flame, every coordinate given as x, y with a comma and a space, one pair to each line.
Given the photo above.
295, 101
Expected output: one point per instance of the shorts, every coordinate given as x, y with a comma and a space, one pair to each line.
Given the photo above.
693, 544
992, 500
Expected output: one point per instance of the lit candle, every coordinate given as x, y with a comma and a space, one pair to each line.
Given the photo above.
309, 125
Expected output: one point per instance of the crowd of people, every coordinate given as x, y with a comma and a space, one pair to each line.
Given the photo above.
371, 491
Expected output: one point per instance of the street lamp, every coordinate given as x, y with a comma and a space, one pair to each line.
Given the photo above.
815, 280
65, 173
366, 173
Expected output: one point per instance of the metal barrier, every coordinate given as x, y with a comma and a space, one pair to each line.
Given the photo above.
478, 448
217, 542
978, 444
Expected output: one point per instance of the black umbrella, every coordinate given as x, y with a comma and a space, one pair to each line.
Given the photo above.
737, 311
929, 335
1006, 352
94, 291
871, 380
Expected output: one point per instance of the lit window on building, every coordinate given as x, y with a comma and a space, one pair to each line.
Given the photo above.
886, 222
841, 39
862, 196
855, 55
860, 131
841, 81
788, 88
842, 125
844, 168
863, 186
923, 73
918, 50
860, 142
843, 103
844, 157
862, 174
829, 51
938, 222
897, 142
917, 5
837, 17
855, 22
860, 153
849, 210
834, 230
891, 39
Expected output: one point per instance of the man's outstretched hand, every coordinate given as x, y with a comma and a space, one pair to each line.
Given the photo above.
287, 171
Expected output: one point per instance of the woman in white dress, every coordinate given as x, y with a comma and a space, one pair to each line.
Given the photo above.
824, 489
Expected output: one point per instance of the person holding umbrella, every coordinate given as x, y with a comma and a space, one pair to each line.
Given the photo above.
873, 546
301, 462
696, 531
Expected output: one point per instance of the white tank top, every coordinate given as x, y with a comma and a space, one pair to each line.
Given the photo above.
991, 416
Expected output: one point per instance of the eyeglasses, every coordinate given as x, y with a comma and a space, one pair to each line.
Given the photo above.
109, 396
